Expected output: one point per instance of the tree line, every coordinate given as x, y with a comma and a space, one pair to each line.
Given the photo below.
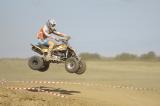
149, 56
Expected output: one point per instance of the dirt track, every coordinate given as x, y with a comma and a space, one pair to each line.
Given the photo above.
103, 84
91, 93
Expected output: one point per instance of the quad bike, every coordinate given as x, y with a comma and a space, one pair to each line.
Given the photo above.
62, 53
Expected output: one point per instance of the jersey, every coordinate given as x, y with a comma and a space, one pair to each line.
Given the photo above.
44, 33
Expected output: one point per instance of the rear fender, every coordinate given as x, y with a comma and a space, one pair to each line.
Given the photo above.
38, 49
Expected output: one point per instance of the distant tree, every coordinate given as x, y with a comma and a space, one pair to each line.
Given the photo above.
148, 56
122, 57
90, 56
158, 58
126, 56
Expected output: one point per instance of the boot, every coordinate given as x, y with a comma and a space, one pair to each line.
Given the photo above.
49, 56
52, 57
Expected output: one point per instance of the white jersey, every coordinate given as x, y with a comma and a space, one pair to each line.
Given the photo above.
46, 31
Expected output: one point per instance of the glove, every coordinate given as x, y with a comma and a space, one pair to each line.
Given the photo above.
58, 40
67, 37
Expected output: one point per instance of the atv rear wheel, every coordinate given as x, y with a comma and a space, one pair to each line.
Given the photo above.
82, 67
35, 62
72, 65
45, 67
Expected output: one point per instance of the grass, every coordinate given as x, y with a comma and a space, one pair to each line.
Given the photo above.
97, 71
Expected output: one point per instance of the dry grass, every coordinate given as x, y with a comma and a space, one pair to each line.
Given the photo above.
137, 74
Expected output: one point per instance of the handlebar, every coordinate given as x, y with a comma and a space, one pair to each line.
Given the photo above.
64, 39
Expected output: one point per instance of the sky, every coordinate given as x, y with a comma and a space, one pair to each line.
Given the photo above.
107, 27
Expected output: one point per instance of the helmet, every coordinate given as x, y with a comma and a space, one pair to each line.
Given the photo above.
51, 23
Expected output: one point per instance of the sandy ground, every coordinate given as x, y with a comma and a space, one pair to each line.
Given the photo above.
110, 84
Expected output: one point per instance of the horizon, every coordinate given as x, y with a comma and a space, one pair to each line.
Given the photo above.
138, 55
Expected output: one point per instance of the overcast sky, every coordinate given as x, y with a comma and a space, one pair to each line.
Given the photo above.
108, 27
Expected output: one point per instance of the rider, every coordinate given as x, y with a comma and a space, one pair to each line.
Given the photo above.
45, 38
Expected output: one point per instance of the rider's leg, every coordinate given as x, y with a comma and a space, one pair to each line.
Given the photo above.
51, 47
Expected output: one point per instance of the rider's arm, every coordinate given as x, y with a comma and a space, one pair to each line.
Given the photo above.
59, 34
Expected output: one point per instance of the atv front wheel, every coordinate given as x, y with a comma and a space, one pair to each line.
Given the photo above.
35, 62
72, 65
82, 67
